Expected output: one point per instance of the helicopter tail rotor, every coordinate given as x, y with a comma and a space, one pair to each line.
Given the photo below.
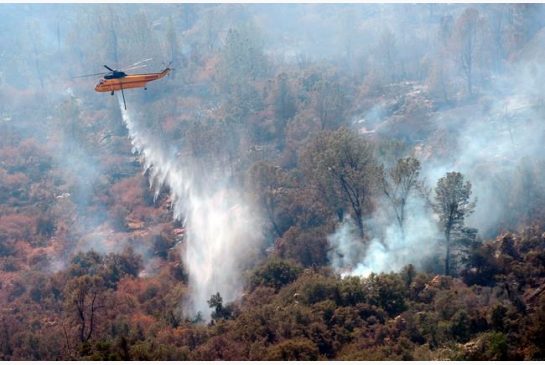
167, 66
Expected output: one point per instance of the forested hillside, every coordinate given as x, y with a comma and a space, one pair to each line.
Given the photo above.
311, 182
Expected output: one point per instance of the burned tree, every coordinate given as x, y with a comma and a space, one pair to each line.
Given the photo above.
398, 183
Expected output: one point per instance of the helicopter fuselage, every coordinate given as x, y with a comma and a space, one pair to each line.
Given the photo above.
115, 81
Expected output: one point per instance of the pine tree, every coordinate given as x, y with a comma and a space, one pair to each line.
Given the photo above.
452, 205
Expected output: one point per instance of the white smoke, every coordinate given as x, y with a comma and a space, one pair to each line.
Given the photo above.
222, 230
491, 141
486, 141
346, 247
388, 250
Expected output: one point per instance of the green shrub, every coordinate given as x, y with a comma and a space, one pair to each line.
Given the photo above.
275, 273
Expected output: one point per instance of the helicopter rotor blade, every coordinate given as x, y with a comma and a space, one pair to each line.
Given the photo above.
142, 61
89, 75
135, 67
136, 63
108, 68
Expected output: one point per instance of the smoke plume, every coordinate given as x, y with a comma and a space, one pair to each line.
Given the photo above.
388, 249
491, 141
497, 144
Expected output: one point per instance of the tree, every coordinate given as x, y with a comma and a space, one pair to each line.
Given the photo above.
452, 205
341, 166
276, 273
387, 291
220, 311
86, 263
307, 246
35, 40
523, 20
439, 80
526, 192
498, 20
299, 349
535, 330
398, 183
348, 36
242, 61
272, 185
110, 268
84, 298
330, 102
387, 54
216, 302
467, 44
481, 266
284, 104
71, 124
116, 266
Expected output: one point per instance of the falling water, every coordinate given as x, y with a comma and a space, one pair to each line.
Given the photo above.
222, 230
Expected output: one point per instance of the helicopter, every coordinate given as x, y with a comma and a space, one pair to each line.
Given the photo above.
115, 80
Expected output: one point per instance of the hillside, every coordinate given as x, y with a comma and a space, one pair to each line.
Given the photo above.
311, 182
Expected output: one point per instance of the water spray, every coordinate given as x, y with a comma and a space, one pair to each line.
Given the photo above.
222, 231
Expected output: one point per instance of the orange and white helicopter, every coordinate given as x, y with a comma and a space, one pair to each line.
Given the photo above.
115, 80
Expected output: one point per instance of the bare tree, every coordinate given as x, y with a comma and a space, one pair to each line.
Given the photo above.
398, 183
84, 298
